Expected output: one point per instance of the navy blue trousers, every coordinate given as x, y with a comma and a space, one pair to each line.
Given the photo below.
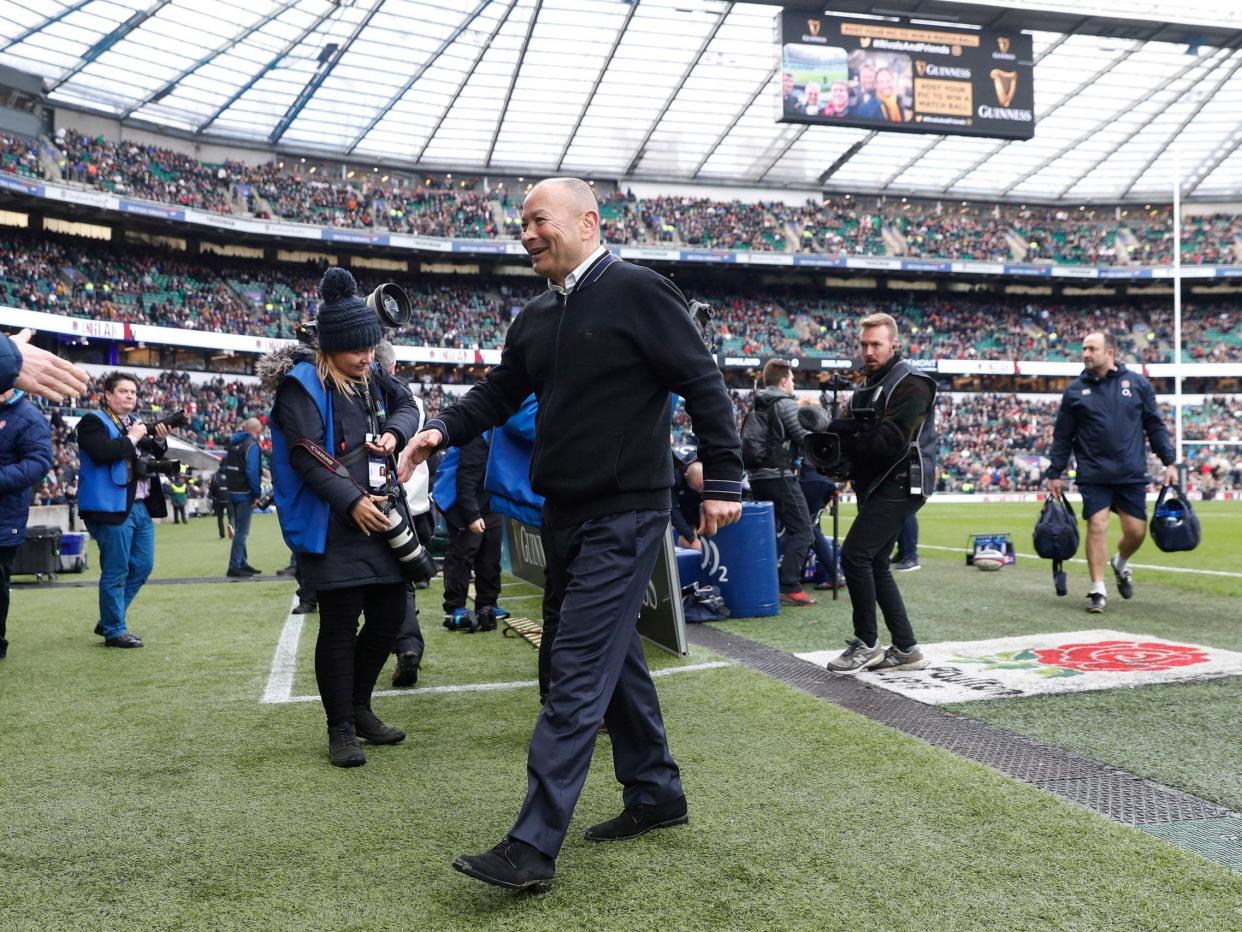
597, 575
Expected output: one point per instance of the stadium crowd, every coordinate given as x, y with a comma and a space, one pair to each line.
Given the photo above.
474, 207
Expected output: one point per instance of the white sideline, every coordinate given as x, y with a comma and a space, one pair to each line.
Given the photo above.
279, 687
1137, 566
285, 662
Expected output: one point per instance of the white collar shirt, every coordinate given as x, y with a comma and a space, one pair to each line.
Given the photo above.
572, 279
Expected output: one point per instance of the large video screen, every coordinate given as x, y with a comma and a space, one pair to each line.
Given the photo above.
923, 79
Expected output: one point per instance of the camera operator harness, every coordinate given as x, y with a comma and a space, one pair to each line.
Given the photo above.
915, 468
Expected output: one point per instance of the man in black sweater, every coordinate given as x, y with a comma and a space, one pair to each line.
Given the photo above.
602, 349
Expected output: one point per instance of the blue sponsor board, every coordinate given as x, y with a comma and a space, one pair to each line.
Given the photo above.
354, 236
1228, 273
152, 210
490, 249
823, 262
708, 256
1124, 273
10, 183
925, 265
1041, 270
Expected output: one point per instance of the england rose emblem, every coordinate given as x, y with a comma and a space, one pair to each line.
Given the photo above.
1121, 656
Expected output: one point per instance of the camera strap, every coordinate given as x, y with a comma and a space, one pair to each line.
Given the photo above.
325, 459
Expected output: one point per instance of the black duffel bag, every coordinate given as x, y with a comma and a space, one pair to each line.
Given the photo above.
1174, 525
1056, 537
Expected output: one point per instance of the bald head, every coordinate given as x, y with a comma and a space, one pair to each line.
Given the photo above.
560, 226
252, 425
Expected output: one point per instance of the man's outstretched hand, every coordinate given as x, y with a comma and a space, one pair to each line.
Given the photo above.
715, 514
417, 451
46, 374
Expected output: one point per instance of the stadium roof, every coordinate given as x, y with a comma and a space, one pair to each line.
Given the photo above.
665, 90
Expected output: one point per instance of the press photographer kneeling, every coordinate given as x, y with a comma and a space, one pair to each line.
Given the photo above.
335, 425
886, 446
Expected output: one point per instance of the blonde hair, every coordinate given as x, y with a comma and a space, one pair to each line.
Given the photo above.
880, 320
329, 374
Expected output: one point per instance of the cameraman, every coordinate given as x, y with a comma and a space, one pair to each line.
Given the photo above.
889, 438
242, 472
336, 422
119, 493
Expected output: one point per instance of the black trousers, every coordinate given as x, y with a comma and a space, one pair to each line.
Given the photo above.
864, 559
410, 636
218, 507
789, 507
7, 555
478, 553
179, 514
348, 661
597, 574
305, 593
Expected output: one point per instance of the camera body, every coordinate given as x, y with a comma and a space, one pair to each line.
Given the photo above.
146, 464
826, 450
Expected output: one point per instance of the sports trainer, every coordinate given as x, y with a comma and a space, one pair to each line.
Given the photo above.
889, 437
602, 349
1104, 416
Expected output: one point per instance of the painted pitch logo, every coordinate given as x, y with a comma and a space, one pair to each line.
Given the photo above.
1031, 665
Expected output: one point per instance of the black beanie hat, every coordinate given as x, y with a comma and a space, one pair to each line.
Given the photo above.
345, 321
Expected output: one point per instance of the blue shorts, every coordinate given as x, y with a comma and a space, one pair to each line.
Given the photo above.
1130, 499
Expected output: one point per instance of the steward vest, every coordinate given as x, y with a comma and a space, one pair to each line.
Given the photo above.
303, 514
920, 453
103, 486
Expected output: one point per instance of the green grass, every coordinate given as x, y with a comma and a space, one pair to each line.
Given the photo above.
151, 789
1183, 735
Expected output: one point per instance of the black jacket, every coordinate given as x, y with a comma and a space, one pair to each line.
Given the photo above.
602, 363
872, 449
1104, 422
473, 500
351, 558
93, 438
783, 406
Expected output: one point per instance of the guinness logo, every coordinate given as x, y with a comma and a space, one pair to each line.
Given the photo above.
813, 25
921, 67
1002, 43
1006, 85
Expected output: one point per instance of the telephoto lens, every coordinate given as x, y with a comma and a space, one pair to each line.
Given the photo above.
416, 563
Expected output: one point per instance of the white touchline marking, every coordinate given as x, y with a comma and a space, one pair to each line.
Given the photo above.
284, 663
1137, 566
491, 687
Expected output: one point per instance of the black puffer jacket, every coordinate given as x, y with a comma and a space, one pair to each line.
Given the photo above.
351, 558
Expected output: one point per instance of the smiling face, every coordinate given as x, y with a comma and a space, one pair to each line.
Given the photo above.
866, 75
840, 96
353, 363
884, 82
560, 226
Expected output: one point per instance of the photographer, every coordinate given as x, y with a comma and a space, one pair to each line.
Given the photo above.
889, 438
771, 445
242, 472
119, 493
336, 422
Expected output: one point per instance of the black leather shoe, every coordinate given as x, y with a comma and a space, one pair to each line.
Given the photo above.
343, 747
640, 819
512, 864
123, 640
287, 571
252, 571
99, 629
406, 674
305, 608
367, 725
239, 574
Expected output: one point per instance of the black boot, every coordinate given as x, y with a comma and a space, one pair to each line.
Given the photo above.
406, 674
640, 819
343, 746
512, 864
487, 618
370, 727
